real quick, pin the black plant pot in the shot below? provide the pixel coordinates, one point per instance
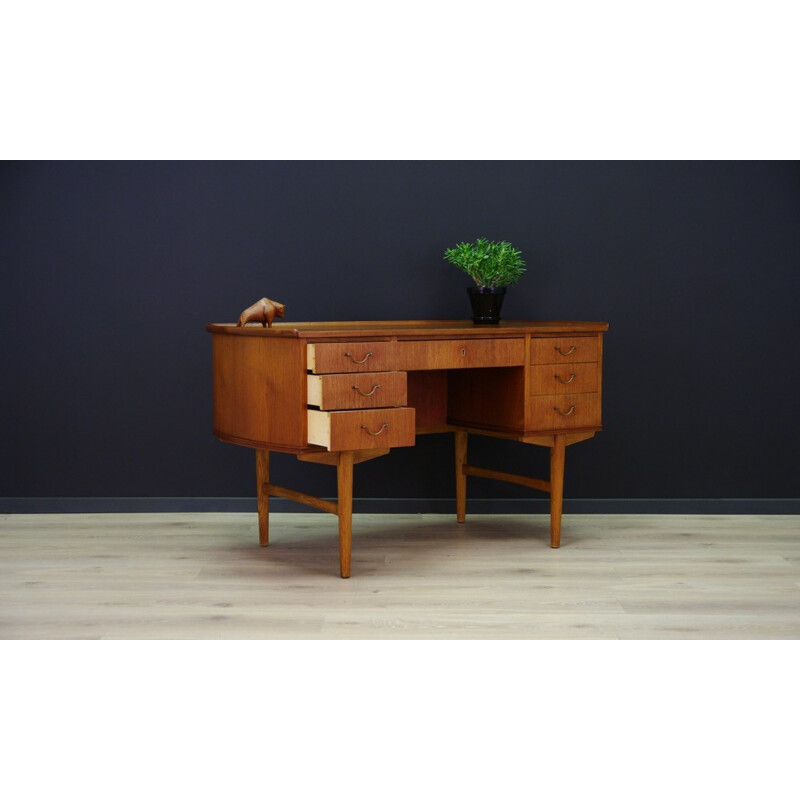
(486, 302)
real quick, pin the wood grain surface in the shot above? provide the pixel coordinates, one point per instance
(460, 353)
(565, 349)
(366, 429)
(202, 576)
(406, 329)
(556, 411)
(564, 379)
(364, 390)
(248, 376)
(366, 356)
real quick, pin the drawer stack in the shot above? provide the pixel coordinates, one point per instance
(356, 397)
(564, 383)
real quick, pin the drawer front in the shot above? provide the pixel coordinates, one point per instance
(550, 412)
(365, 390)
(565, 349)
(351, 356)
(458, 353)
(564, 378)
(361, 430)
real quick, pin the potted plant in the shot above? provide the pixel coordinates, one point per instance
(493, 266)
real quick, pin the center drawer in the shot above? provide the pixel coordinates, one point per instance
(361, 430)
(460, 353)
(362, 390)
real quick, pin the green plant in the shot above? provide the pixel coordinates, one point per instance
(488, 263)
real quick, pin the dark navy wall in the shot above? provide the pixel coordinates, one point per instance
(111, 270)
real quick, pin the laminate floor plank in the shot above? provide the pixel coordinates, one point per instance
(203, 576)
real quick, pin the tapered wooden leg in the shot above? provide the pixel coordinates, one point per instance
(557, 452)
(461, 478)
(344, 479)
(262, 477)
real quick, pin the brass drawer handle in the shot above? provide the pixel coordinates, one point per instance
(564, 413)
(383, 427)
(571, 378)
(370, 393)
(352, 358)
(571, 350)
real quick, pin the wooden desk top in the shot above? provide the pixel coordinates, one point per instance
(406, 329)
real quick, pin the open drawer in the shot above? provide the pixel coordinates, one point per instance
(361, 390)
(367, 429)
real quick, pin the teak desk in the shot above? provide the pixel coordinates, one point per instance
(344, 392)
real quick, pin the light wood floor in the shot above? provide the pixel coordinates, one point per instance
(203, 576)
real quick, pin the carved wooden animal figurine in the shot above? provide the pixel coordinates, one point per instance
(263, 311)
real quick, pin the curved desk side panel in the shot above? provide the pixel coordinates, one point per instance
(260, 391)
